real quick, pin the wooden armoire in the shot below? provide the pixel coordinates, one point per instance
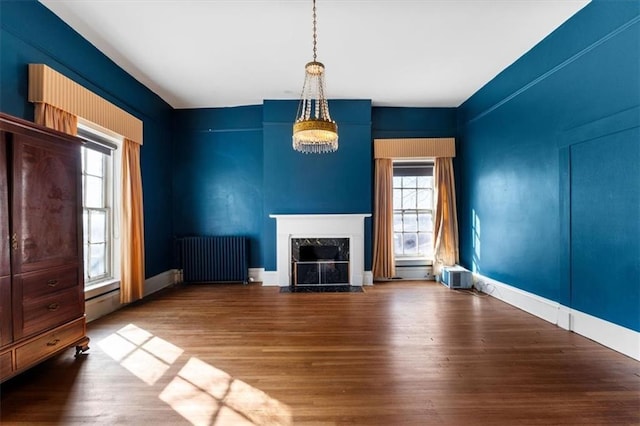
(41, 262)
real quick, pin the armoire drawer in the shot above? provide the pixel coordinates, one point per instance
(42, 283)
(49, 343)
(47, 312)
(6, 364)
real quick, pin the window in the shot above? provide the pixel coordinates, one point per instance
(413, 210)
(100, 178)
(97, 215)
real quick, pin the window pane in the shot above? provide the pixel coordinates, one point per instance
(429, 180)
(425, 244)
(98, 226)
(423, 182)
(94, 163)
(409, 182)
(397, 199)
(397, 244)
(410, 244)
(425, 199)
(97, 261)
(410, 222)
(409, 199)
(93, 192)
(397, 222)
(397, 182)
(425, 222)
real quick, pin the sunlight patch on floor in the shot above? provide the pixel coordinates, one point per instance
(259, 407)
(116, 347)
(200, 392)
(163, 350)
(144, 355)
(145, 366)
(211, 380)
(190, 402)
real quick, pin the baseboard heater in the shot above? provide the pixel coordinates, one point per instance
(206, 259)
(417, 272)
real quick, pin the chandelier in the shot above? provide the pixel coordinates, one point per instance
(314, 132)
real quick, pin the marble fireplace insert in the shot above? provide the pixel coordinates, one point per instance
(319, 261)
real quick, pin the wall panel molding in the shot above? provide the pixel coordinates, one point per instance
(557, 68)
(617, 122)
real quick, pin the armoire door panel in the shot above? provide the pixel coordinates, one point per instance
(46, 220)
(5, 240)
(6, 334)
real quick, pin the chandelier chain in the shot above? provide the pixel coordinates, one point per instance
(315, 35)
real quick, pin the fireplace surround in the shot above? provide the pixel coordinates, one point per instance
(329, 229)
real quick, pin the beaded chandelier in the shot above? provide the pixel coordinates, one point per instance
(314, 132)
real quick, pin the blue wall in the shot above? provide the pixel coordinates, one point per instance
(235, 166)
(217, 174)
(550, 167)
(400, 122)
(30, 33)
(339, 182)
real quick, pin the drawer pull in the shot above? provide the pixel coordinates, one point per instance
(53, 342)
(52, 283)
(53, 307)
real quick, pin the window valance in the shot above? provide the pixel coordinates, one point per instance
(50, 87)
(414, 148)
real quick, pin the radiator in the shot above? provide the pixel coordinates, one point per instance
(214, 259)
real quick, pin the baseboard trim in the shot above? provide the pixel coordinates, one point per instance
(160, 281)
(110, 302)
(529, 302)
(103, 305)
(611, 335)
(367, 278)
(270, 278)
(256, 274)
(606, 333)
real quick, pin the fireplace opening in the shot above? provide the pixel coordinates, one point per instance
(312, 253)
(319, 261)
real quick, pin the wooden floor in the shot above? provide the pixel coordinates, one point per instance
(402, 353)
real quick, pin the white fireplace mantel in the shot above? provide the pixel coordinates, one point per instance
(290, 226)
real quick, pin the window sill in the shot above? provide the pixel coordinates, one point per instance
(100, 288)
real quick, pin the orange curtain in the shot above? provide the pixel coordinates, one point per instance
(383, 258)
(445, 220)
(55, 118)
(132, 252)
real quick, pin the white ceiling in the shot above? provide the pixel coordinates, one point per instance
(215, 53)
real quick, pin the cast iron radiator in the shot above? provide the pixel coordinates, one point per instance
(214, 259)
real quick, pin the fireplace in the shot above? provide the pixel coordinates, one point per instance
(319, 261)
(337, 253)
